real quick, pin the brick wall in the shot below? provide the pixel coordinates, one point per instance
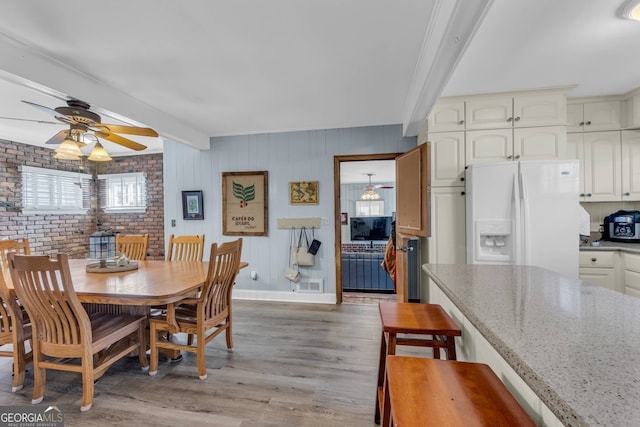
(51, 234)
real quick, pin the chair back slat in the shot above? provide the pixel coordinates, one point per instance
(223, 268)
(19, 246)
(44, 287)
(185, 248)
(134, 246)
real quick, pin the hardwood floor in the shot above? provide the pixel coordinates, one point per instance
(294, 365)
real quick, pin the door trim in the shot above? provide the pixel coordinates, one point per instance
(336, 207)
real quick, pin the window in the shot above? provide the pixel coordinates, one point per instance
(50, 191)
(369, 207)
(126, 192)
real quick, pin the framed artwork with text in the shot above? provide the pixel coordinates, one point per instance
(245, 199)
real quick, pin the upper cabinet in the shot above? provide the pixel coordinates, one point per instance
(412, 183)
(447, 116)
(521, 110)
(594, 116)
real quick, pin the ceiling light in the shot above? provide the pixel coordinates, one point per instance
(631, 10)
(99, 154)
(68, 150)
(369, 192)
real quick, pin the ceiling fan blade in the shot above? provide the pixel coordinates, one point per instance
(58, 137)
(131, 130)
(120, 140)
(382, 186)
(56, 114)
(44, 122)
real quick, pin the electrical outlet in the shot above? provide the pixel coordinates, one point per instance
(325, 221)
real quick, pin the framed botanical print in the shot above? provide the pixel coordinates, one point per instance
(192, 205)
(245, 197)
(303, 193)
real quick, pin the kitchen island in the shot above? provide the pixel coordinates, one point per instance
(569, 351)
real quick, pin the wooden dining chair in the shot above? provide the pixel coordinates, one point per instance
(19, 246)
(63, 328)
(185, 248)
(134, 246)
(204, 317)
(15, 330)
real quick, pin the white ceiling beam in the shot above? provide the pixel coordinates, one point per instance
(26, 65)
(452, 25)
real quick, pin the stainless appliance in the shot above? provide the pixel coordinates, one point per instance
(622, 226)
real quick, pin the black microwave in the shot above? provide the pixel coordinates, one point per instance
(622, 226)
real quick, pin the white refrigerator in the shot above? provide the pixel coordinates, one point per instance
(524, 213)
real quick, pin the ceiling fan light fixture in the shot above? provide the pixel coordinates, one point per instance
(370, 195)
(631, 10)
(68, 150)
(99, 154)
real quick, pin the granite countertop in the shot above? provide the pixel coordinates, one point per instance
(612, 246)
(576, 345)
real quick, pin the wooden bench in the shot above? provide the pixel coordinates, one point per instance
(429, 320)
(427, 392)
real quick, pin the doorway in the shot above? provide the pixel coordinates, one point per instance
(376, 173)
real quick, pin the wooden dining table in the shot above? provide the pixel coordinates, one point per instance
(153, 283)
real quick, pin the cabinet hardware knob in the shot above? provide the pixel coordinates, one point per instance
(462, 178)
(510, 119)
(588, 194)
(509, 157)
(588, 122)
(461, 122)
(627, 194)
(517, 157)
(594, 259)
(581, 194)
(581, 124)
(517, 119)
(462, 193)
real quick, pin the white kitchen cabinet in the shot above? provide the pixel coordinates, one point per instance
(545, 108)
(447, 115)
(594, 116)
(600, 159)
(631, 278)
(447, 241)
(633, 111)
(536, 143)
(448, 161)
(600, 268)
(630, 165)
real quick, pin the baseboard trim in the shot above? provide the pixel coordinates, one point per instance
(251, 294)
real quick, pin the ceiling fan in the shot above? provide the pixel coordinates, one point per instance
(370, 190)
(81, 121)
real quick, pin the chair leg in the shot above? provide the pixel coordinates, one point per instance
(39, 379)
(142, 346)
(87, 382)
(202, 363)
(229, 335)
(153, 356)
(19, 366)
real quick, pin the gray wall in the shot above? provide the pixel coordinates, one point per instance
(290, 156)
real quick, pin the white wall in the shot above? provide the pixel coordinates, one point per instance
(291, 156)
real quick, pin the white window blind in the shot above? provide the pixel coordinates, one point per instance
(369, 207)
(126, 192)
(46, 191)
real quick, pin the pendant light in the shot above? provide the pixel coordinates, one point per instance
(99, 154)
(369, 192)
(68, 150)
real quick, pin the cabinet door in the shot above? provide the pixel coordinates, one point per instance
(446, 116)
(489, 112)
(604, 115)
(412, 182)
(447, 159)
(605, 277)
(540, 109)
(602, 164)
(575, 151)
(482, 146)
(630, 165)
(447, 241)
(540, 143)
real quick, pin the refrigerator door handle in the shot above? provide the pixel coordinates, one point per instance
(526, 223)
(515, 232)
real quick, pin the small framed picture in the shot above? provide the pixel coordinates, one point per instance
(344, 218)
(303, 193)
(192, 205)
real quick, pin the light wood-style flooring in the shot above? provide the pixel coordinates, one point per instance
(294, 365)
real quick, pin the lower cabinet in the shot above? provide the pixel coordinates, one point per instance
(631, 274)
(600, 268)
